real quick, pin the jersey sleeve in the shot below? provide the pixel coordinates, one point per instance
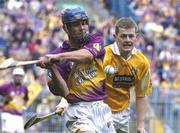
(108, 56)
(95, 46)
(143, 85)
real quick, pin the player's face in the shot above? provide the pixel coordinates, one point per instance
(125, 39)
(18, 79)
(78, 30)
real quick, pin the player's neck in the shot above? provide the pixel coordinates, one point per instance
(125, 54)
(73, 45)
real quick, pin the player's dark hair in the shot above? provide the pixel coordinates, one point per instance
(126, 23)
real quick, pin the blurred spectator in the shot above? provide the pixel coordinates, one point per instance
(109, 39)
(14, 4)
(15, 97)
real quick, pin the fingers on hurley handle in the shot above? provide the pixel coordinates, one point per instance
(59, 111)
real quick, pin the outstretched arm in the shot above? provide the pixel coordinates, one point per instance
(79, 56)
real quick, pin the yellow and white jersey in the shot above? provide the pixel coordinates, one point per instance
(132, 72)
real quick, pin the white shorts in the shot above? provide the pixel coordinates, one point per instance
(121, 120)
(89, 116)
(12, 123)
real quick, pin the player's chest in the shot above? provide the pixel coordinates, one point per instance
(126, 76)
(16, 92)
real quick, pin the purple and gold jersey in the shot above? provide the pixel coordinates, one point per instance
(133, 72)
(85, 81)
(14, 98)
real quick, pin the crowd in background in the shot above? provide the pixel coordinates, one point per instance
(31, 28)
(28, 30)
(159, 30)
(160, 25)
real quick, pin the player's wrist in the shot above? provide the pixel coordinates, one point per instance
(141, 130)
(140, 124)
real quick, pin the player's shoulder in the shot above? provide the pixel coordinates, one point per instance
(108, 47)
(95, 36)
(24, 86)
(141, 55)
(7, 84)
(109, 55)
(61, 48)
(142, 58)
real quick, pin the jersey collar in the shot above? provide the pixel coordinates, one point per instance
(116, 51)
(66, 46)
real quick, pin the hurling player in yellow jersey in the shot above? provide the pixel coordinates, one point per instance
(132, 71)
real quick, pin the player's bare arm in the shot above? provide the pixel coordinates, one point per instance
(79, 56)
(58, 82)
(141, 113)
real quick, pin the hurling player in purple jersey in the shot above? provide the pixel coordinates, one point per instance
(15, 97)
(78, 76)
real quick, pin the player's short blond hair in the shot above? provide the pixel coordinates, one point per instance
(125, 23)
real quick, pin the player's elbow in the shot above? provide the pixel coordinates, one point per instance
(87, 57)
(54, 90)
(57, 91)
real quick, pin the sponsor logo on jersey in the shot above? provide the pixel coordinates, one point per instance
(86, 74)
(124, 81)
(97, 46)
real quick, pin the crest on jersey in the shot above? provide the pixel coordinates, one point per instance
(97, 46)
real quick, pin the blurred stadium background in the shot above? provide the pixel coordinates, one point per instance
(31, 28)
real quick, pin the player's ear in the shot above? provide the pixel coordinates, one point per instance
(65, 28)
(139, 35)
